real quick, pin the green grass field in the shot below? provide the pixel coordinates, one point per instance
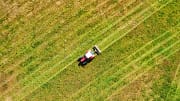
(40, 41)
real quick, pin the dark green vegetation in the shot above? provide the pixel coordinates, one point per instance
(40, 43)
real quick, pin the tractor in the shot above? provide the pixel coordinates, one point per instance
(89, 56)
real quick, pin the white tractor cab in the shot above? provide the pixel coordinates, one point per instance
(89, 56)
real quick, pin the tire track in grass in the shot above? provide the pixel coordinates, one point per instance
(15, 75)
(107, 42)
(70, 63)
(45, 25)
(40, 30)
(107, 10)
(131, 62)
(25, 57)
(132, 55)
(145, 70)
(52, 19)
(119, 38)
(117, 83)
(40, 37)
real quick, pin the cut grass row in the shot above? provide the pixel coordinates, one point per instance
(30, 66)
(75, 75)
(41, 29)
(53, 19)
(144, 70)
(174, 45)
(102, 83)
(142, 49)
(57, 40)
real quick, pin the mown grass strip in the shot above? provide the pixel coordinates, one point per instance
(28, 79)
(39, 35)
(131, 62)
(107, 40)
(115, 85)
(25, 57)
(159, 38)
(65, 23)
(41, 29)
(105, 11)
(108, 90)
(144, 71)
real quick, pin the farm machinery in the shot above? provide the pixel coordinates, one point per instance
(89, 56)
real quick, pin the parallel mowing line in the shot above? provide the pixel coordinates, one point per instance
(64, 11)
(74, 21)
(5, 93)
(115, 85)
(18, 64)
(64, 60)
(73, 61)
(145, 63)
(32, 52)
(173, 81)
(141, 48)
(142, 65)
(28, 57)
(133, 61)
(117, 32)
(61, 62)
(49, 20)
(61, 13)
(146, 70)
